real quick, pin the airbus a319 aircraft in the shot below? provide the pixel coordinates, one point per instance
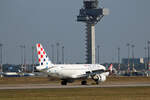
(70, 72)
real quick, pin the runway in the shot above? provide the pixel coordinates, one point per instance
(52, 86)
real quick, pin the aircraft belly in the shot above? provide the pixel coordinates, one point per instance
(60, 74)
(69, 73)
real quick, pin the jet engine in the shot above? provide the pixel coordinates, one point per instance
(99, 77)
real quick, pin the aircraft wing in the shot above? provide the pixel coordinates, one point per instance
(94, 72)
(91, 73)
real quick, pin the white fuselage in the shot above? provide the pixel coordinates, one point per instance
(73, 71)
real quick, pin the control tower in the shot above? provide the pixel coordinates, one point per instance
(91, 14)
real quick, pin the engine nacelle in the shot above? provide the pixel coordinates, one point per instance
(99, 77)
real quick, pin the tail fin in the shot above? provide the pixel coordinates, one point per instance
(110, 67)
(42, 56)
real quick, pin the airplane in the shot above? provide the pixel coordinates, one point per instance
(16, 74)
(68, 73)
(11, 74)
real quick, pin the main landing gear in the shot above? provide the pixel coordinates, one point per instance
(83, 82)
(64, 82)
(97, 82)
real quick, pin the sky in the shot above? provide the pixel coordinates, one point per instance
(27, 22)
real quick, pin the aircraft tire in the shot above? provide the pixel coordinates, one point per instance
(63, 82)
(84, 83)
(97, 82)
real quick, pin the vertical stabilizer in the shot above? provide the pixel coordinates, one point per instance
(42, 57)
(110, 67)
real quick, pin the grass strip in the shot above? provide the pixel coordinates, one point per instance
(128, 93)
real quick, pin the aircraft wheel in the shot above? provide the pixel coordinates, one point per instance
(84, 82)
(63, 82)
(97, 82)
